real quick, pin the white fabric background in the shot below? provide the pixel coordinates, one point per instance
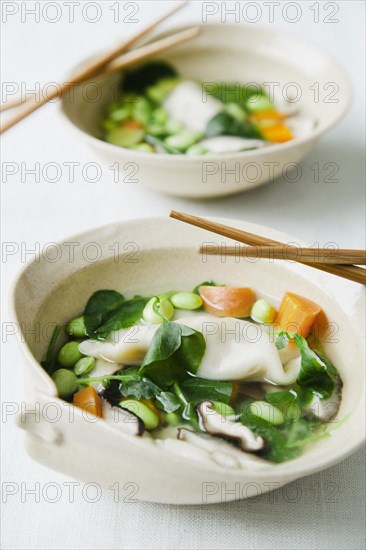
(324, 511)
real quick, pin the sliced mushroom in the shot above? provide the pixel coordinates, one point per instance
(122, 418)
(224, 426)
(221, 452)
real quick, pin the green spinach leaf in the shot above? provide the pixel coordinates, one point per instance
(174, 351)
(98, 307)
(200, 389)
(168, 401)
(137, 80)
(225, 124)
(124, 316)
(314, 373)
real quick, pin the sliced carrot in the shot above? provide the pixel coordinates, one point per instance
(267, 115)
(88, 400)
(227, 301)
(131, 123)
(296, 314)
(277, 133)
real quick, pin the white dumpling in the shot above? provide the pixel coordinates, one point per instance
(126, 346)
(240, 350)
(235, 350)
(187, 105)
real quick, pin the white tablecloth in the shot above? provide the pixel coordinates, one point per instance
(324, 511)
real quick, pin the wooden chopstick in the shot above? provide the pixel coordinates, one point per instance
(97, 66)
(287, 252)
(350, 272)
(158, 46)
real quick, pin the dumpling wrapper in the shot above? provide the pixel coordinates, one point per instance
(185, 104)
(235, 350)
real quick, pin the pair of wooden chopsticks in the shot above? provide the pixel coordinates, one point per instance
(338, 262)
(107, 63)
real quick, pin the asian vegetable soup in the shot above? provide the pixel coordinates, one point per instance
(212, 373)
(159, 111)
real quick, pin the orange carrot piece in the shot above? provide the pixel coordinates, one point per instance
(88, 400)
(297, 314)
(267, 115)
(277, 133)
(227, 301)
(131, 123)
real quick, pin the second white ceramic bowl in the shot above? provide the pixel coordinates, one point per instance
(225, 53)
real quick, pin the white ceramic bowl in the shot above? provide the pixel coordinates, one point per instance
(156, 254)
(227, 53)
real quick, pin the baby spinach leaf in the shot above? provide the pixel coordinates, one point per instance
(174, 351)
(168, 401)
(200, 389)
(133, 385)
(124, 316)
(137, 80)
(98, 307)
(286, 441)
(225, 124)
(281, 397)
(314, 373)
(317, 373)
(232, 92)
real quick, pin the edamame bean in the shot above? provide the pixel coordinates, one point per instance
(263, 312)
(69, 354)
(267, 412)
(66, 382)
(173, 419)
(223, 408)
(84, 365)
(196, 149)
(173, 127)
(184, 139)
(143, 147)
(186, 300)
(123, 113)
(157, 311)
(76, 327)
(148, 416)
(159, 116)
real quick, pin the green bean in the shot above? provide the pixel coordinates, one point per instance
(69, 354)
(186, 300)
(149, 417)
(267, 412)
(263, 312)
(76, 327)
(66, 382)
(84, 366)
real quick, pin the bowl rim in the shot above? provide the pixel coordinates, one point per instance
(292, 469)
(260, 152)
